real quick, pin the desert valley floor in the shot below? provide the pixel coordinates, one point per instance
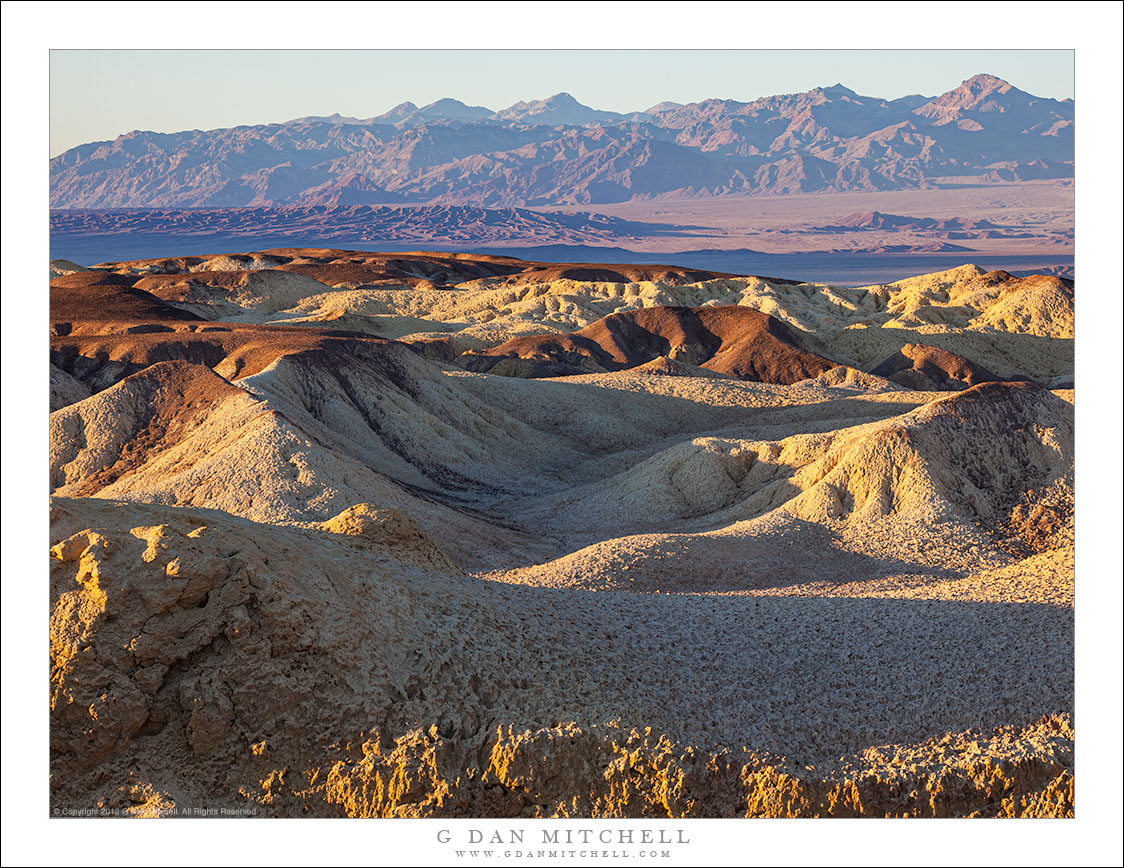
(359, 534)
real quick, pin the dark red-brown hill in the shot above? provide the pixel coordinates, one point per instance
(739, 341)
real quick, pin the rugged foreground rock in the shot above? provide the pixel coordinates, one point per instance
(199, 660)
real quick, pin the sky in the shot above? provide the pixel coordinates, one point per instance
(96, 95)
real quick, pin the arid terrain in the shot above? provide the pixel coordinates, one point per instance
(851, 238)
(338, 533)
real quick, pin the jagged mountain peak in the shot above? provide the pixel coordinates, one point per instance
(985, 82)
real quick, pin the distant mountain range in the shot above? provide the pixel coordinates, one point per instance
(557, 151)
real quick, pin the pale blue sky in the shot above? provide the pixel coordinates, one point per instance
(97, 95)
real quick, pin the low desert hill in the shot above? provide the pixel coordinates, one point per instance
(454, 224)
